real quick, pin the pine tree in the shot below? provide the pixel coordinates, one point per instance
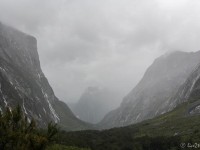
(16, 133)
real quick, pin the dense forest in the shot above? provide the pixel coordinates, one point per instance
(165, 132)
(171, 131)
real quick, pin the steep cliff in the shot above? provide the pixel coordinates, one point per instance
(189, 92)
(23, 82)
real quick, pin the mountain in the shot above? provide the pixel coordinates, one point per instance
(95, 103)
(23, 83)
(153, 94)
(166, 131)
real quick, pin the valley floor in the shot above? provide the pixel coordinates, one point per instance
(172, 131)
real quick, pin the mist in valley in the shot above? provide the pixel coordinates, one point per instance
(107, 44)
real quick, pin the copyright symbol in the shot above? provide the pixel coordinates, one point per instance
(182, 145)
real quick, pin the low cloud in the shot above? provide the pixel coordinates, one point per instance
(105, 43)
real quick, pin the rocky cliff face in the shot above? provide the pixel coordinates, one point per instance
(23, 82)
(152, 96)
(189, 91)
(95, 103)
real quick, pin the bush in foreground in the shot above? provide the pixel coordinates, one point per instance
(17, 133)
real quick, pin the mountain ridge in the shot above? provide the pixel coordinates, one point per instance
(150, 96)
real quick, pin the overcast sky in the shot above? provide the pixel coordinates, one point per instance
(107, 43)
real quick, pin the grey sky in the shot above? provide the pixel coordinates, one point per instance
(105, 43)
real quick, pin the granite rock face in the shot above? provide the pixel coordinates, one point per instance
(189, 92)
(23, 82)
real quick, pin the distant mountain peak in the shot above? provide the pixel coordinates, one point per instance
(94, 103)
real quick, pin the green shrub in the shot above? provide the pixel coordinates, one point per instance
(62, 147)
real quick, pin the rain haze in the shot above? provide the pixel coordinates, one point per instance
(105, 43)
